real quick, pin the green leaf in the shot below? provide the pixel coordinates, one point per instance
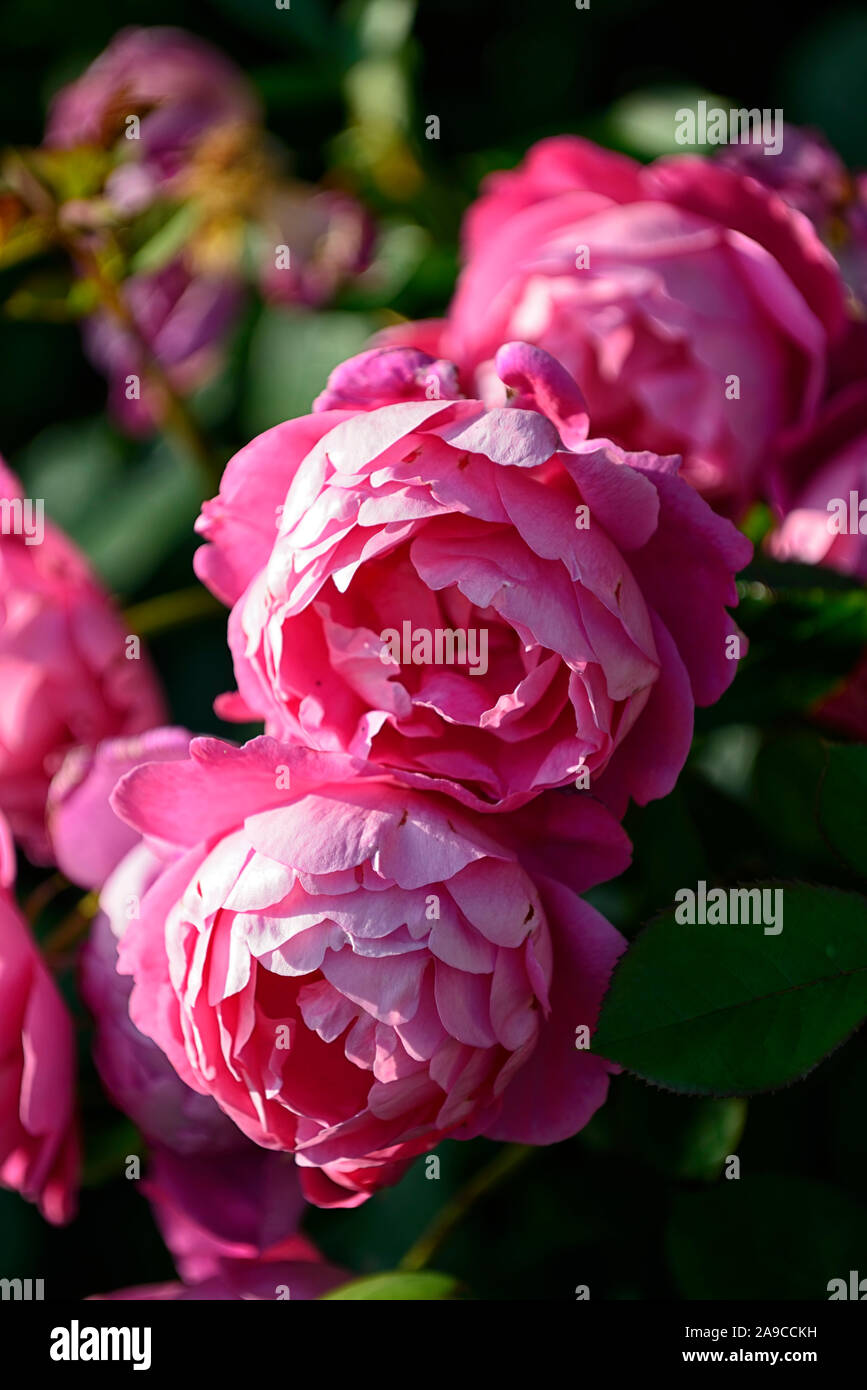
(397, 1286)
(140, 525)
(644, 121)
(21, 235)
(79, 172)
(52, 297)
(127, 516)
(291, 355)
(713, 1133)
(764, 1236)
(729, 1010)
(785, 794)
(842, 798)
(682, 1136)
(73, 467)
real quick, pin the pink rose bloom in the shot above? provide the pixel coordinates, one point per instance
(653, 285)
(816, 473)
(96, 849)
(236, 1201)
(64, 675)
(135, 1072)
(589, 585)
(225, 1208)
(355, 970)
(222, 1203)
(179, 87)
(39, 1152)
(88, 840)
(230, 1222)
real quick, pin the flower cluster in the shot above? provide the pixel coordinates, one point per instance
(476, 596)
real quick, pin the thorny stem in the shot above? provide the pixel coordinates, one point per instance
(156, 615)
(177, 420)
(511, 1157)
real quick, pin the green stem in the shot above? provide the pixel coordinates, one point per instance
(73, 927)
(160, 614)
(44, 893)
(176, 419)
(510, 1158)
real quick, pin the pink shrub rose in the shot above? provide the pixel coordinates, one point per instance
(64, 675)
(654, 286)
(88, 840)
(98, 850)
(596, 582)
(215, 1210)
(230, 1222)
(217, 1198)
(39, 1152)
(355, 970)
(135, 1072)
